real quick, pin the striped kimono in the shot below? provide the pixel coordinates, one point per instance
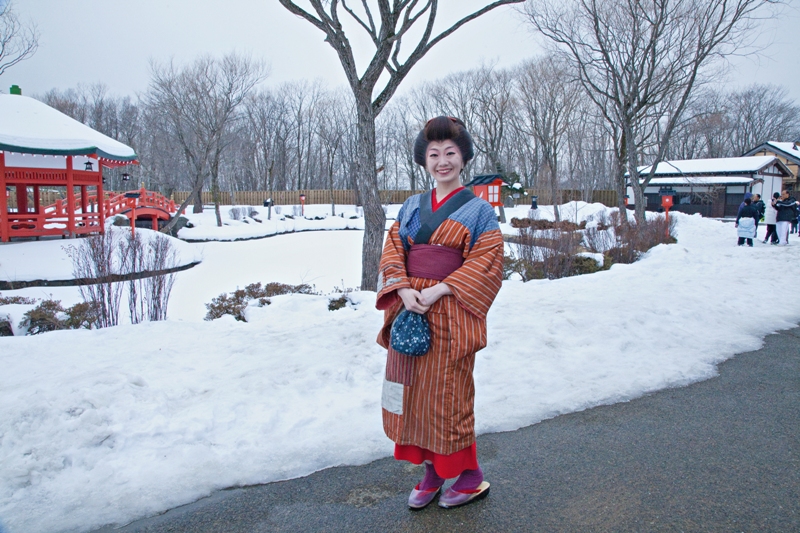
(428, 401)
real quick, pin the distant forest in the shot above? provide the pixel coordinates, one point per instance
(219, 116)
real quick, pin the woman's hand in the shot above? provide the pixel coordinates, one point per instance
(412, 300)
(432, 294)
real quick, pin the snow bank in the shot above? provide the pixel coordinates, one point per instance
(103, 427)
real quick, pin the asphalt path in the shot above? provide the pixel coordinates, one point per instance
(718, 455)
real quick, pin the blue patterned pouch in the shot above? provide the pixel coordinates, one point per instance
(411, 334)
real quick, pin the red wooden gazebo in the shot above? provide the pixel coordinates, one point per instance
(42, 153)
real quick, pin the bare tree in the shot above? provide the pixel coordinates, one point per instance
(386, 24)
(761, 113)
(332, 127)
(548, 97)
(200, 103)
(639, 61)
(18, 41)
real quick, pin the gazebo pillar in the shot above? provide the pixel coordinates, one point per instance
(70, 198)
(101, 204)
(4, 225)
(22, 199)
(85, 206)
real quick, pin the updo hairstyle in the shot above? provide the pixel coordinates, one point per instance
(443, 129)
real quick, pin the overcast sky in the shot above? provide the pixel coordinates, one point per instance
(112, 41)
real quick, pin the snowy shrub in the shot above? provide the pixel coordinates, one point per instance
(277, 209)
(110, 261)
(98, 258)
(239, 213)
(551, 250)
(5, 326)
(11, 300)
(340, 301)
(148, 296)
(297, 210)
(223, 304)
(49, 315)
(549, 254)
(83, 315)
(236, 303)
(634, 239)
(540, 224)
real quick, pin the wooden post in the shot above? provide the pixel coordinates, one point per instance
(70, 199)
(5, 228)
(22, 199)
(101, 203)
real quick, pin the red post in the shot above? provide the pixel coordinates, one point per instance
(101, 203)
(70, 199)
(5, 228)
(666, 203)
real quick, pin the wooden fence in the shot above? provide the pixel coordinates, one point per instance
(348, 197)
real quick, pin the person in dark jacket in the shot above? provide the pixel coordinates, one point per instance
(787, 211)
(747, 196)
(746, 223)
(758, 203)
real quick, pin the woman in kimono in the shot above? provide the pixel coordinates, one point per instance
(443, 257)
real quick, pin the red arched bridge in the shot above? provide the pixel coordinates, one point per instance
(86, 215)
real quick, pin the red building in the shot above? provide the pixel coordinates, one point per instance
(42, 153)
(488, 187)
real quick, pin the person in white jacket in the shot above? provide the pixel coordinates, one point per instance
(771, 220)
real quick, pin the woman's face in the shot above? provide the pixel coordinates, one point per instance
(443, 161)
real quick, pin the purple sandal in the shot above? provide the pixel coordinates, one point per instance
(419, 499)
(453, 498)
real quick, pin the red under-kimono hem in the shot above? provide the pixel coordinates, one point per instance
(447, 466)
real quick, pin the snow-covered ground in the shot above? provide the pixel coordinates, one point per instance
(103, 427)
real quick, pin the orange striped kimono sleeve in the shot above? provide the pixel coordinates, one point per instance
(392, 269)
(476, 283)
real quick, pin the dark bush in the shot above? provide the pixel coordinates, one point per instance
(10, 300)
(5, 326)
(237, 302)
(335, 304)
(552, 252)
(82, 315)
(223, 304)
(44, 317)
(563, 225)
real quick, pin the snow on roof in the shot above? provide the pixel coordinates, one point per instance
(711, 166)
(788, 148)
(702, 180)
(29, 126)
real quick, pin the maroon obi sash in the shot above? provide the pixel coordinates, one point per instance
(433, 262)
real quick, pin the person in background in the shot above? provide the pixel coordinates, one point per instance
(758, 203)
(746, 223)
(770, 218)
(787, 211)
(747, 196)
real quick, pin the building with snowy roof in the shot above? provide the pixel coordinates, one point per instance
(44, 150)
(787, 152)
(713, 187)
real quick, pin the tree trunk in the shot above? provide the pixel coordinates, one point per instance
(198, 200)
(367, 182)
(215, 191)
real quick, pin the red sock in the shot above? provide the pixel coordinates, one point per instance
(468, 480)
(431, 479)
